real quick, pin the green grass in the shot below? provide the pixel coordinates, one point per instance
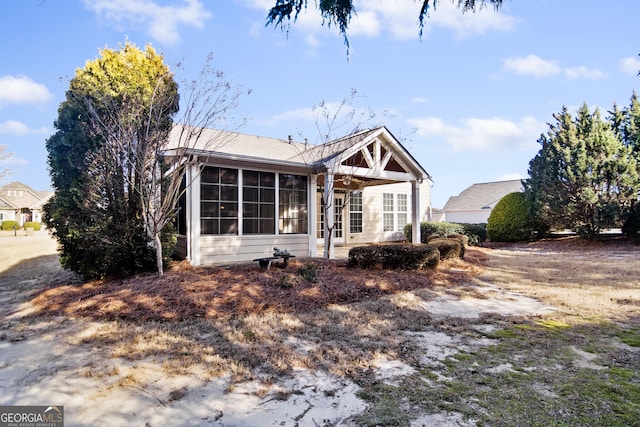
(531, 376)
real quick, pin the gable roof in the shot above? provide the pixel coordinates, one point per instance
(258, 149)
(17, 195)
(482, 196)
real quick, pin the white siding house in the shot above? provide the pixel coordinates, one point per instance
(245, 194)
(474, 204)
(21, 203)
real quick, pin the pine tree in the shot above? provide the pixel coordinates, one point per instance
(583, 177)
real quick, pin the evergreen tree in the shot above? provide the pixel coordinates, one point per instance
(97, 160)
(626, 123)
(583, 177)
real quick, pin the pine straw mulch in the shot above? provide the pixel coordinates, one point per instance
(221, 292)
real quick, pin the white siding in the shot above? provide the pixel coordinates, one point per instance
(225, 249)
(373, 213)
(469, 217)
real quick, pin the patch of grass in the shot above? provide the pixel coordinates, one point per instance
(630, 337)
(553, 324)
(385, 406)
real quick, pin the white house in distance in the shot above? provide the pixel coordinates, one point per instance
(19, 202)
(474, 205)
(247, 194)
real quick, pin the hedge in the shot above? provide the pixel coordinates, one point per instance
(476, 232)
(448, 248)
(32, 224)
(400, 257)
(9, 224)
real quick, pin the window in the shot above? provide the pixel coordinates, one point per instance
(355, 212)
(403, 211)
(293, 214)
(387, 212)
(219, 201)
(181, 222)
(258, 202)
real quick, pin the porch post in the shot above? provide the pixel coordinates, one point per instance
(193, 214)
(313, 215)
(415, 212)
(329, 216)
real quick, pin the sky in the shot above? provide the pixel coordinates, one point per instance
(469, 99)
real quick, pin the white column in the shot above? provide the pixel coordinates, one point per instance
(194, 214)
(329, 219)
(415, 212)
(312, 214)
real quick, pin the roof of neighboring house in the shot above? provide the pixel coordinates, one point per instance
(482, 196)
(17, 195)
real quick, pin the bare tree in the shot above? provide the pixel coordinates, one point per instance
(5, 157)
(139, 152)
(332, 121)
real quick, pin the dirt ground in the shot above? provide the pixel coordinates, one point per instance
(284, 367)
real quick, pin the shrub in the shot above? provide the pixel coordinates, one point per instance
(402, 257)
(510, 219)
(309, 272)
(477, 233)
(32, 224)
(463, 238)
(9, 224)
(631, 226)
(428, 229)
(288, 281)
(448, 248)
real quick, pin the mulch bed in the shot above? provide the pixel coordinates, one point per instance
(186, 292)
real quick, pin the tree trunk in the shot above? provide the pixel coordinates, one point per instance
(158, 245)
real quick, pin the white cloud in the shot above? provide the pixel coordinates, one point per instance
(584, 73)
(12, 160)
(162, 21)
(22, 90)
(17, 128)
(475, 134)
(399, 19)
(486, 19)
(630, 65)
(533, 65)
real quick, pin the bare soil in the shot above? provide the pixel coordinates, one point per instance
(547, 323)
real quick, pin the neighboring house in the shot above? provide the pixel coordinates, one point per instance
(474, 205)
(21, 203)
(247, 194)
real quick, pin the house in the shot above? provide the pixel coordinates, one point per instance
(245, 194)
(21, 203)
(474, 205)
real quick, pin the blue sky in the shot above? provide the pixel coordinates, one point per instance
(469, 100)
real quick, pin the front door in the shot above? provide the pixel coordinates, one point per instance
(338, 224)
(338, 209)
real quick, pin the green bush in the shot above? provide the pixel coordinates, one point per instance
(309, 272)
(428, 229)
(32, 224)
(463, 238)
(401, 257)
(510, 219)
(631, 226)
(9, 224)
(448, 248)
(477, 233)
